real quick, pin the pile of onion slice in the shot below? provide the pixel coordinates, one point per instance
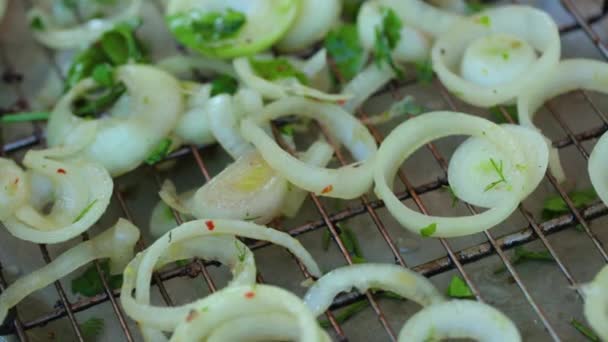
(596, 303)
(115, 243)
(186, 241)
(78, 190)
(568, 75)
(491, 58)
(516, 155)
(346, 182)
(57, 37)
(122, 142)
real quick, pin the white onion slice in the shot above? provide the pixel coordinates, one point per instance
(57, 37)
(122, 143)
(346, 182)
(365, 84)
(422, 16)
(115, 243)
(567, 76)
(496, 50)
(235, 303)
(415, 133)
(394, 278)
(596, 303)
(598, 163)
(414, 45)
(193, 125)
(224, 118)
(455, 6)
(470, 169)
(314, 19)
(459, 319)
(280, 88)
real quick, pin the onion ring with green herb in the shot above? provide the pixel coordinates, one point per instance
(402, 281)
(349, 181)
(314, 19)
(122, 142)
(52, 34)
(116, 243)
(415, 133)
(227, 29)
(596, 303)
(459, 319)
(491, 58)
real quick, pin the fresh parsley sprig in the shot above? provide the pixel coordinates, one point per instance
(387, 35)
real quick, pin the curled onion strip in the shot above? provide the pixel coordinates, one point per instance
(365, 84)
(491, 58)
(280, 88)
(140, 270)
(82, 192)
(122, 143)
(459, 319)
(61, 38)
(346, 182)
(598, 161)
(224, 117)
(413, 134)
(235, 303)
(193, 125)
(567, 76)
(115, 243)
(397, 279)
(314, 19)
(180, 65)
(422, 16)
(596, 303)
(13, 189)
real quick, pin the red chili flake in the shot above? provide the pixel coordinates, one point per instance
(61, 171)
(327, 189)
(210, 225)
(191, 315)
(341, 102)
(249, 294)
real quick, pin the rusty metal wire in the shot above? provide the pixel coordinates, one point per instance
(453, 260)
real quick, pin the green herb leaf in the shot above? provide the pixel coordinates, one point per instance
(224, 84)
(24, 117)
(523, 255)
(350, 9)
(347, 313)
(585, 331)
(556, 206)
(458, 288)
(183, 262)
(499, 118)
(121, 46)
(484, 20)
(103, 74)
(275, 69)
(91, 105)
(424, 71)
(196, 27)
(475, 6)
(37, 24)
(287, 129)
(84, 211)
(343, 47)
(387, 36)
(92, 328)
(241, 250)
(160, 151)
(498, 168)
(429, 230)
(89, 283)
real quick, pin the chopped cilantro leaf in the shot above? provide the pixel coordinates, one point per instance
(484, 20)
(555, 206)
(458, 288)
(343, 47)
(24, 117)
(522, 255)
(89, 283)
(84, 211)
(424, 71)
(429, 230)
(224, 84)
(275, 69)
(197, 27)
(160, 151)
(37, 24)
(92, 328)
(585, 331)
(387, 36)
(103, 74)
(241, 250)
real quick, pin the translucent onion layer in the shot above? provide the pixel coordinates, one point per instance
(596, 303)
(314, 19)
(598, 163)
(346, 182)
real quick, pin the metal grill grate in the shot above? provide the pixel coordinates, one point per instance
(455, 259)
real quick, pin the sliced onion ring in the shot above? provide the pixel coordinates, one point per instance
(346, 182)
(598, 163)
(422, 16)
(459, 319)
(365, 84)
(404, 282)
(567, 76)
(415, 133)
(596, 303)
(484, 46)
(237, 302)
(115, 243)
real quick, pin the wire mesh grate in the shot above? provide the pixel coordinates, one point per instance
(454, 258)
